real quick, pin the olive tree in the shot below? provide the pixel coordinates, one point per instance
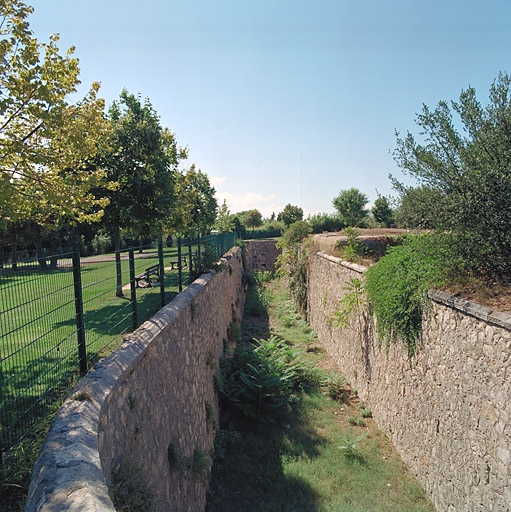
(470, 167)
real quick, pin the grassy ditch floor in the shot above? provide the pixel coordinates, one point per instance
(316, 450)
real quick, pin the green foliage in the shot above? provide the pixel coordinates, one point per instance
(205, 262)
(356, 422)
(258, 381)
(263, 276)
(195, 208)
(200, 462)
(295, 233)
(471, 169)
(419, 207)
(397, 285)
(351, 303)
(223, 439)
(224, 220)
(351, 204)
(290, 214)
(351, 450)
(251, 218)
(364, 411)
(256, 300)
(129, 490)
(382, 212)
(142, 158)
(45, 139)
(324, 222)
(292, 265)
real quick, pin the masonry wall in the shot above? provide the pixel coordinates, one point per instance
(149, 406)
(447, 410)
(261, 255)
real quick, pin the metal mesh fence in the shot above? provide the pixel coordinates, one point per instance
(57, 320)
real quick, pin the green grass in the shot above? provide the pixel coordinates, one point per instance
(317, 458)
(38, 337)
(39, 347)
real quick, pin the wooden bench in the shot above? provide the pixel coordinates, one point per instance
(145, 280)
(175, 264)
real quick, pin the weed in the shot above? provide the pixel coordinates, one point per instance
(210, 359)
(234, 331)
(263, 276)
(82, 396)
(351, 450)
(366, 413)
(200, 462)
(336, 386)
(351, 304)
(210, 413)
(129, 489)
(358, 422)
(256, 301)
(258, 381)
(132, 400)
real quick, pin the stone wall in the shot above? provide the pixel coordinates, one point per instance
(151, 406)
(447, 410)
(261, 255)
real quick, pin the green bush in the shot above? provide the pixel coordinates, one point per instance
(258, 382)
(398, 284)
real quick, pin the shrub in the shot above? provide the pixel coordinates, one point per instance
(258, 382)
(397, 285)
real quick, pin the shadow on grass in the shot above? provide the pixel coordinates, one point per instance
(249, 476)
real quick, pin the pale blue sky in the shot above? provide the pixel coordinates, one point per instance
(286, 101)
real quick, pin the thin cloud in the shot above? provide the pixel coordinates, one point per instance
(216, 181)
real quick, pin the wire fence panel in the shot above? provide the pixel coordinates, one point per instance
(37, 341)
(58, 319)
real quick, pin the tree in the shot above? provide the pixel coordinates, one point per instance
(196, 205)
(382, 212)
(224, 220)
(471, 169)
(290, 214)
(350, 204)
(251, 218)
(45, 139)
(295, 233)
(143, 160)
(419, 207)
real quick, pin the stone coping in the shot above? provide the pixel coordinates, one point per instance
(68, 474)
(495, 317)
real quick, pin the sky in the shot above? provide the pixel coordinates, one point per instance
(286, 101)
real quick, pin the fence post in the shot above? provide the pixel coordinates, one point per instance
(179, 266)
(162, 272)
(134, 312)
(190, 262)
(80, 327)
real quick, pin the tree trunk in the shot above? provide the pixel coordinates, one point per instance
(140, 244)
(14, 253)
(39, 248)
(54, 250)
(118, 268)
